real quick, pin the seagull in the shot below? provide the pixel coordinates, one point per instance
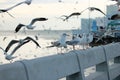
(79, 13)
(28, 2)
(115, 17)
(29, 26)
(75, 41)
(20, 43)
(9, 56)
(60, 43)
(83, 39)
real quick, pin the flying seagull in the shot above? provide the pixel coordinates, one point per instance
(72, 14)
(28, 2)
(79, 13)
(20, 43)
(9, 56)
(29, 26)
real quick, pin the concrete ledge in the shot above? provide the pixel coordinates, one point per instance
(14, 71)
(114, 71)
(97, 76)
(91, 57)
(112, 50)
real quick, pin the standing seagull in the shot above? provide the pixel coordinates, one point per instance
(28, 2)
(29, 26)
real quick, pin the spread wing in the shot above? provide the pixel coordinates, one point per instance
(38, 19)
(28, 2)
(54, 44)
(29, 38)
(73, 14)
(94, 8)
(10, 44)
(19, 26)
(17, 47)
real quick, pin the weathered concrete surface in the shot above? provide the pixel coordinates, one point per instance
(13, 71)
(52, 67)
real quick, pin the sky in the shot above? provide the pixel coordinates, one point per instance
(51, 9)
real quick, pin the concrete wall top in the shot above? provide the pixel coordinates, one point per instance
(54, 67)
(91, 57)
(112, 50)
(14, 71)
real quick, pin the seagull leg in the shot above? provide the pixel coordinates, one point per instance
(61, 50)
(73, 47)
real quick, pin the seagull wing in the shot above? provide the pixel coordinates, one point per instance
(54, 44)
(29, 38)
(38, 19)
(94, 8)
(73, 14)
(15, 5)
(10, 44)
(19, 26)
(17, 47)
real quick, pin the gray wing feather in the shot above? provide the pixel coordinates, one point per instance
(15, 5)
(94, 8)
(10, 44)
(19, 26)
(38, 19)
(17, 47)
(29, 38)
